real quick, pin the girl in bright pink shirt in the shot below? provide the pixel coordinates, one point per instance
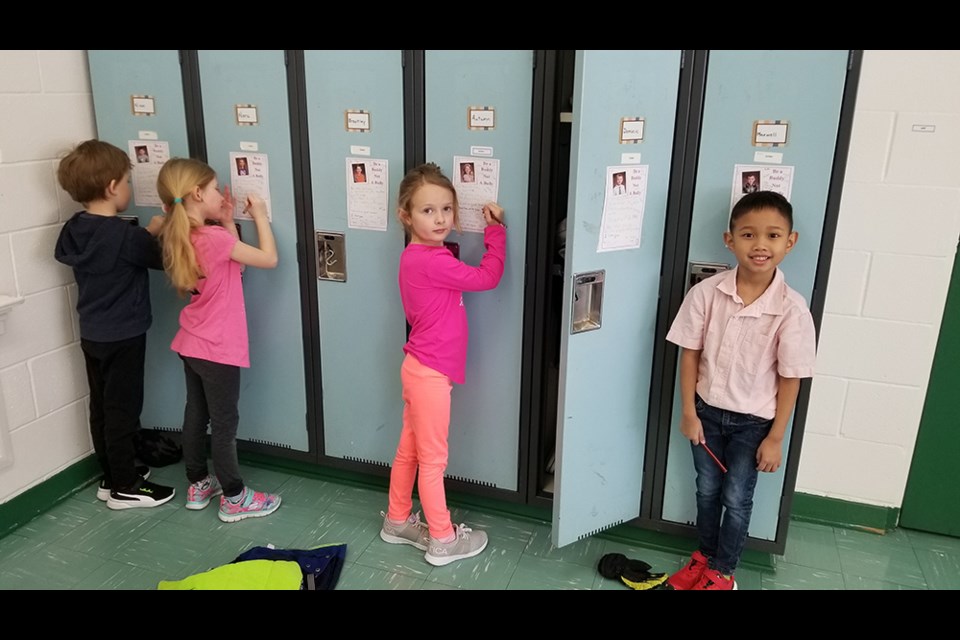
(431, 284)
(204, 257)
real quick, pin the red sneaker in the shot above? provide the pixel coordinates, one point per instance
(713, 580)
(689, 576)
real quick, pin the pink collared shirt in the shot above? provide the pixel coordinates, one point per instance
(745, 350)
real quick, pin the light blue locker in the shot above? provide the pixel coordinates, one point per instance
(272, 396)
(485, 416)
(806, 89)
(605, 373)
(116, 76)
(361, 323)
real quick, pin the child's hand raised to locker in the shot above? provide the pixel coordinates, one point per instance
(226, 207)
(493, 214)
(156, 224)
(255, 206)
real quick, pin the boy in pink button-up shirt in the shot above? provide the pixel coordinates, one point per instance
(747, 340)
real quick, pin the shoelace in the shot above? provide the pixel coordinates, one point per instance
(463, 529)
(417, 522)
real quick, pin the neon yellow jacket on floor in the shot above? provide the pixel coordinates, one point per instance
(273, 575)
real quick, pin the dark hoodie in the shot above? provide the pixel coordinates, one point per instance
(110, 258)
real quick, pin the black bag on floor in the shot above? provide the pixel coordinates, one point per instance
(156, 449)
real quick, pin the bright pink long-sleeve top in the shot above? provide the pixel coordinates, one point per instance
(432, 283)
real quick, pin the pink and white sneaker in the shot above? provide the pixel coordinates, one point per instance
(254, 504)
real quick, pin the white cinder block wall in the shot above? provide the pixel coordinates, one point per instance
(896, 242)
(898, 230)
(45, 107)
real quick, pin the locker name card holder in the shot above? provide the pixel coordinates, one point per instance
(356, 120)
(331, 256)
(481, 118)
(587, 301)
(770, 133)
(631, 130)
(143, 105)
(247, 115)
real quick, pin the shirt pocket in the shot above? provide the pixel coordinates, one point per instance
(756, 352)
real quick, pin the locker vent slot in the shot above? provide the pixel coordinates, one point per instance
(365, 461)
(269, 443)
(167, 429)
(478, 483)
(601, 529)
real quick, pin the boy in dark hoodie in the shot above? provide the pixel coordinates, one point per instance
(110, 258)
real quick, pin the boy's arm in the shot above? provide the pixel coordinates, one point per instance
(690, 425)
(770, 451)
(144, 248)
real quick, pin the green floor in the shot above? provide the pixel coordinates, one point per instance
(80, 544)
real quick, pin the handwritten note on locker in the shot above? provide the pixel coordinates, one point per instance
(147, 157)
(625, 197)
(367, 183)
(477, 181)
(249, 173)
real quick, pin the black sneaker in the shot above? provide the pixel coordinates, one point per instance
(103, 491)
(143, 494)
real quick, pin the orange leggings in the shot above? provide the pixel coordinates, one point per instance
(423, 444)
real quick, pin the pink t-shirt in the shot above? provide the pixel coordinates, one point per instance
(745, 349)
(213, 326)
(431, 286)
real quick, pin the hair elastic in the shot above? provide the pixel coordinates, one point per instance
(177, 200)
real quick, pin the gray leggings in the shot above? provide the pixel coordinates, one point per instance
(213, 391)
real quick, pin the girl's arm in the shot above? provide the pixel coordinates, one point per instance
(453, 274)
(450, 273)
(264, 256)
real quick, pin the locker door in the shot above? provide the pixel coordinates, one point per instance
(605, 373)
(805, 89)
(115, 77)
(272, 397)
(361, 322)
(484, 427)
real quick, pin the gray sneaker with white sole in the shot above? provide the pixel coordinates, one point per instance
(413, 532)
(466, 544)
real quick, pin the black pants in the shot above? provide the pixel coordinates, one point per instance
(115, 376)
(213, 391)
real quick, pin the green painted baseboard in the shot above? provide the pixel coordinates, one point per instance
(25, 507)
(840, 513)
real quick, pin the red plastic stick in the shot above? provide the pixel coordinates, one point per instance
(715, 458)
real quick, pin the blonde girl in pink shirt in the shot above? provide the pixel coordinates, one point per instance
(747, 340)
(431, 283)
(204, 257)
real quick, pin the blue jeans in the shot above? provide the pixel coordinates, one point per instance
(725, 500)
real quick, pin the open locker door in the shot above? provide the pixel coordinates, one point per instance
(624, 113)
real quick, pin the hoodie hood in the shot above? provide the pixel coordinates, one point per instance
(90, 243)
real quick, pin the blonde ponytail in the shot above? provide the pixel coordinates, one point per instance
(178, 177)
